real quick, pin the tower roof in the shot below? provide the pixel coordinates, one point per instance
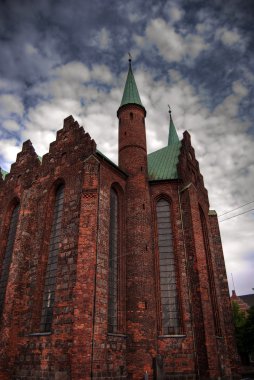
(172, 136)
(162, 164)
(130, 94)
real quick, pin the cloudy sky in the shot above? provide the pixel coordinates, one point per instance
(70, 57)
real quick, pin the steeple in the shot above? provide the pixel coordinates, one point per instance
(132, 133)
(172, 136)
(130, 94)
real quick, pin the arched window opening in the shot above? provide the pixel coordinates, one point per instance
(168, 279)
(131, 115)
(51, 270)
(210, 274)
(8, 255)
(113, 263)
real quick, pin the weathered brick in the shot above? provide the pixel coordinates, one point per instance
(79, 345)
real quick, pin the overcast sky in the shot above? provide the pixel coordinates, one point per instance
(70, 57)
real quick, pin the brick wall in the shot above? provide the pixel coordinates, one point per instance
(80, 345)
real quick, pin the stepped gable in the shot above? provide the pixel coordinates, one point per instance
(23, 172)
(188, 166)
(72, 144)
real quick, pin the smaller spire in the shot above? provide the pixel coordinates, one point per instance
(172, 136)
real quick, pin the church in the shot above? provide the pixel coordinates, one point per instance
(112, 271)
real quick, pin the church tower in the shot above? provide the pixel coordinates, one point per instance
(140, 307)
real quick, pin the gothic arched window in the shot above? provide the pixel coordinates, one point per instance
(168, 279)
(8, 255)
(210, 274)
(51, 270)
(113, 263)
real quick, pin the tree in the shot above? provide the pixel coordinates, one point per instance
(239, 320)
(249, 332)
(244, 330)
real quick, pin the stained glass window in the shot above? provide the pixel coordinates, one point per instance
(168, 281)
(113, 263)
(51, 270)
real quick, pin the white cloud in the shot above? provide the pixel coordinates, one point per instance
(172, 45)
(228, 37)
(9, 150)
(11, 125)
(102, 39)
(230, 105)
(30, 49)
(101, 73)
(239, 89)
(10, 104)
(173, 12)
(73, 71)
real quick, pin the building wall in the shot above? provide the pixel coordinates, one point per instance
(80, 346)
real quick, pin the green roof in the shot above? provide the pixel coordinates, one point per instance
(172, 136)
(162, 164)
(4, 173)
(130, 94)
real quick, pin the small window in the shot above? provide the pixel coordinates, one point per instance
(131, 115)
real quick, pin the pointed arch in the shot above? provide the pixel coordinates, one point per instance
(169, 298)
(51, 269)
(11, 235)
(113, 262)
(116, 276)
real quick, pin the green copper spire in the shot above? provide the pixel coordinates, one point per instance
(172, 136)
(130, 94)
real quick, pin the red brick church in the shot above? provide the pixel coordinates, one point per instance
(112, 271)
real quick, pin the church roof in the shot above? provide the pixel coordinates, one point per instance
(130, 94)
(248, 298)
(162, 164)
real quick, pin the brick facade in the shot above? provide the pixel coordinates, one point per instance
(79, 345)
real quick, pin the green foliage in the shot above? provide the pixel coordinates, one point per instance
(244, 330)
(249, 331)
(239, 317)
(239, 320)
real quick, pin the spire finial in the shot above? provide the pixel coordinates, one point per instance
(130, 58)
(172, 136)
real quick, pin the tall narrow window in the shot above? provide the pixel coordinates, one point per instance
(113, 261)
(168, 282)
(8, 256)
(51, 271)
(210, 274)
